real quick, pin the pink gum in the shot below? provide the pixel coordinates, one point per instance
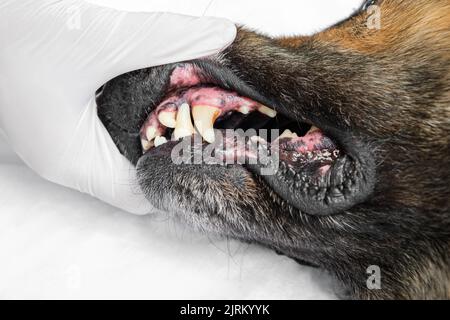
(185, 76)
(224, 100)
(310, 141)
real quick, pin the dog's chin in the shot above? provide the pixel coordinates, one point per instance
(319, 170)
(213, 198)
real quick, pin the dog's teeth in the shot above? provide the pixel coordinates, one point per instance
(312, 129)
(184, 126)
(267, 111)
(146, 145)
(167, 118)
(287, 134)
(204, 118)
(159, 140)
(244, 109)
(150, 133)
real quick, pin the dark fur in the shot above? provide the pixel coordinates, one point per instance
(390, 88)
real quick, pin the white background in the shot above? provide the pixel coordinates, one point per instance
(58, 243)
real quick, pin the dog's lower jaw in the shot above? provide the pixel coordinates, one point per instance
(352, 259)
(347, 245)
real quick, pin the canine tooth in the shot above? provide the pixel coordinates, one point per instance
(159, 140)
(312, 129)
(286, 134)
(267, 111)
(244, 109)
(204, 118)
(150, 133)
(184, 125)
(167, 118)
(146, 145)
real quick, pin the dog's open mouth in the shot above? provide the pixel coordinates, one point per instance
(306, 167)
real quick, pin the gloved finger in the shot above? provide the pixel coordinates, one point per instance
(90, 162)
(80, 46)
(141, 40)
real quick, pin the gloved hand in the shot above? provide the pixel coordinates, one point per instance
(54, 55)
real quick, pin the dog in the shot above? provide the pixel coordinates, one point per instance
(375, 213)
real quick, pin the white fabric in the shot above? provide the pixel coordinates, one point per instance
(58, 243)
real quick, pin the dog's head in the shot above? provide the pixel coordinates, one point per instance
(361, 176)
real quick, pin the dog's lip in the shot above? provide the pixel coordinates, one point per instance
(279, 182)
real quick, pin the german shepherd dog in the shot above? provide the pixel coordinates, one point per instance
(362, 186)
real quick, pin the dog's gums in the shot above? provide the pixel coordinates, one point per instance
(310, 171)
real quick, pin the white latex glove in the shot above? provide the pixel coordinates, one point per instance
(54, 55)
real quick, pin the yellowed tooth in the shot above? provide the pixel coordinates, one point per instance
(286, 134)
(150, 133)
(184, 125)
(244, 109)
(167, 118)
(159, 140)
(204, 118)
(267, 111)
(312, 129)
(146, 145)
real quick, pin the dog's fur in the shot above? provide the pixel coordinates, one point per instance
(391, 88)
